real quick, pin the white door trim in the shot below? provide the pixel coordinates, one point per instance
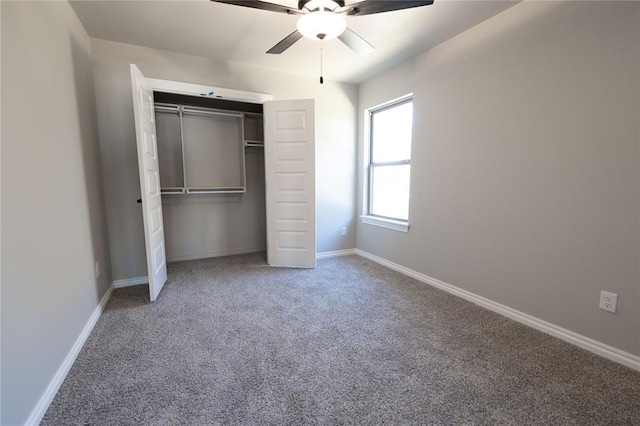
(181, 88)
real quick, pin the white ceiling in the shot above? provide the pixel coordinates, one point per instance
(242, 35)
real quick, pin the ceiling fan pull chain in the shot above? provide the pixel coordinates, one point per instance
(321, 79)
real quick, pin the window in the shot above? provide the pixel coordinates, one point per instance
(389, 164)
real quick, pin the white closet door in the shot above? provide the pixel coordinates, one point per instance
(289, 154)
(149, 169)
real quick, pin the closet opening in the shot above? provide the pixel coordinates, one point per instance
(204, 167)
(212, 175)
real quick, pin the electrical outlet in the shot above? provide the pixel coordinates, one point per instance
(97, 269)
(343, 231)
(608, 301)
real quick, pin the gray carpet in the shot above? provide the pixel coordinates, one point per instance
(233, 341)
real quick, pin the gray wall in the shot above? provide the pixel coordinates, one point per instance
(335, 144)
(53, 230)
(525, 168)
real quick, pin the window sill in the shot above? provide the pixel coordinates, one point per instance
(396, 225)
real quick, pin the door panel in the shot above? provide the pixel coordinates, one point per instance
(148, 166)
(290, 182)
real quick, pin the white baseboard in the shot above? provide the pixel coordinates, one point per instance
(335, 253)
(594, 346)
(130, 282)
(45, 400)
(215, 254)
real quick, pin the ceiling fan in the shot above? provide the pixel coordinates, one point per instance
(324, 19)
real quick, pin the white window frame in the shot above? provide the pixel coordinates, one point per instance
(369, 218)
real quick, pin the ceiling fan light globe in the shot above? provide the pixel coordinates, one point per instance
(314, 24)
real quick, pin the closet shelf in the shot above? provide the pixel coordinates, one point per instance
(187, 191)
(249, 143)
(236, 190)
(172, 191)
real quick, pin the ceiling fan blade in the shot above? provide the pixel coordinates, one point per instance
(263, 5)
(285, 43)
(355, 42)
(369, 7)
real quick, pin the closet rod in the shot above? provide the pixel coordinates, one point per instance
(203, 112)
(237, 190)
(166, 109)
(171, 191)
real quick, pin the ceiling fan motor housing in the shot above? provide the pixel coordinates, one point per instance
(302, 3)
